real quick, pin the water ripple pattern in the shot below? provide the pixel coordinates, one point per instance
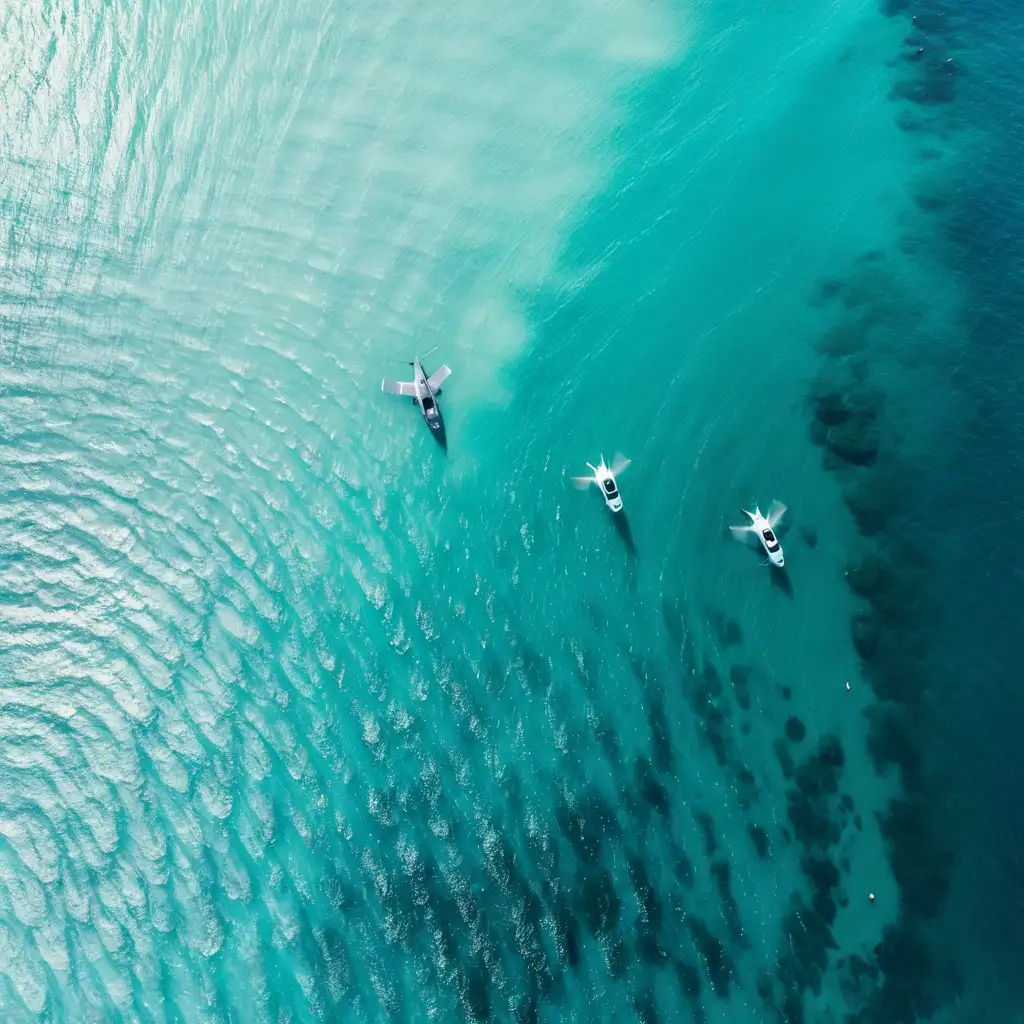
(219, 220)
(306, 720)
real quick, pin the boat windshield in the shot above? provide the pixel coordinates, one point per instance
(768, 536)
(428, 403)
(609, 486)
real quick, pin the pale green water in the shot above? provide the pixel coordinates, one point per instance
(298, 711)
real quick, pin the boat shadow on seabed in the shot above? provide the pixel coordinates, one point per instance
(781, 580)
(622, 528)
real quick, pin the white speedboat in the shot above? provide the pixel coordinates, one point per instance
(604, 477)
(763, 529)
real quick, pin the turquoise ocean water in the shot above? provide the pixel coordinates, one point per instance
(306, 719)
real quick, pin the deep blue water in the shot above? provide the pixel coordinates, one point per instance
(978, 502)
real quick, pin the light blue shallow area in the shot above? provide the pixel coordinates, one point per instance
(306, 719)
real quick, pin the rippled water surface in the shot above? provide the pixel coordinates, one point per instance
(304, 718)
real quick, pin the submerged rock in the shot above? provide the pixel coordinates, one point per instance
(739, 675)
(729, 630)
(682, 866)
(830, 752)
(867, 575)
(827, 289)
(855, 442)
(707, 828)
(821, 873)
(644, 1007)
(872, 502)
(932, 197)
(933, 85)
(812, 824)
(817, 432)
(866, 632)
(650, 790)
(785, 758)
(718, 964)
(840, 395)
(921, 863)
(817, 778)
(842, 340)
(795, 729)
(891, 741)
(746, 787)
(588, 826)
(824, 906)
(599, 902)
(475, 994)
(762, 844)
(689, 979)
(711, 684)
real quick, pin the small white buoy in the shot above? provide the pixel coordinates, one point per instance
(847, 684)
(871, 896)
